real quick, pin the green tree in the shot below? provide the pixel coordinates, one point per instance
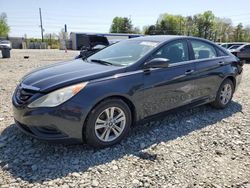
(4, 28)
(208, 23)
(189, 26)
(149, 30)
(224, 29)
(238, 33)
(247, 33)
(169, 24)
(204, 24)
(121, 25)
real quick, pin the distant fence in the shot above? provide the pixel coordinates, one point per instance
(37, 45)
(20, 43)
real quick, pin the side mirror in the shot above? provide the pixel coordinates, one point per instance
(157, 63)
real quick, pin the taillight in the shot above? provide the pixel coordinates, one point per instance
(239, 65)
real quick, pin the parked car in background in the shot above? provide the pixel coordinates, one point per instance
(234, 47)
(87, 40)
(228, 45)
(5, 44)
(91, 44)
(88, 51)
(99, 98)
(242, 52)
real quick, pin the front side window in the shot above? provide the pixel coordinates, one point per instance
(124, 53)
(175, 51)
(203, 50)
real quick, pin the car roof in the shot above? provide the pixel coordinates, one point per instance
(157, 38)
(234, 43)
(165, 38)
(242, 46)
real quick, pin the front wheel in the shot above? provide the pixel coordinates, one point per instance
(224, 94)
(108, 123)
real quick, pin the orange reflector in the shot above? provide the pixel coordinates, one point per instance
(78, 88)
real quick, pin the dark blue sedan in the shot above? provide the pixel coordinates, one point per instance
(97, 99)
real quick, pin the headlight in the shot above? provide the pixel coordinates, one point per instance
(57, 97)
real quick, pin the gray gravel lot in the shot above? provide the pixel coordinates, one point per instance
(201, 147)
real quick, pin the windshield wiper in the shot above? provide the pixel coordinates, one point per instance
(101, 62)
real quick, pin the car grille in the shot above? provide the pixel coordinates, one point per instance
(23, 94)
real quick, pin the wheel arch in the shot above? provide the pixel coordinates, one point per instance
(121, 97)
(232, 78)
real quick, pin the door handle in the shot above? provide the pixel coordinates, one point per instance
(221, 63)
(189, 72)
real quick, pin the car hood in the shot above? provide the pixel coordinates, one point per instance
(64, 74)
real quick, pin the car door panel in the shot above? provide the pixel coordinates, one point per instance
(208, 69)
(209, 75)
(165, 89)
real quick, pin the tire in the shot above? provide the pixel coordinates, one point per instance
(220, 102)
(117, 127)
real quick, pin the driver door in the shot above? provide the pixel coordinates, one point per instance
(171, 87)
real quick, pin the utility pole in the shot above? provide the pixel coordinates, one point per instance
(65, 37)
(180, 27)
(65, 28)
(41, 23)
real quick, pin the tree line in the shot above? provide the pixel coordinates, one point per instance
(205, 25)
(4, 27)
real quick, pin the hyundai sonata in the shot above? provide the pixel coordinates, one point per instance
(97, 99)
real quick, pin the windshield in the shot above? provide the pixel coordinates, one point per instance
(124, 53)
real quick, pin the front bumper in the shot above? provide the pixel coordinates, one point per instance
(63, 123)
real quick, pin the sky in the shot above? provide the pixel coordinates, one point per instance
(97, 15)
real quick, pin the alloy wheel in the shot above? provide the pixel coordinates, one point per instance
(110, 124)
(226, 94)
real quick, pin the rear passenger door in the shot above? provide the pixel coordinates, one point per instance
(208, 69)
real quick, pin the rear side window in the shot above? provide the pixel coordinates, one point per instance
(176, 51)
(221, 52)
(246, 48)
(202, 50)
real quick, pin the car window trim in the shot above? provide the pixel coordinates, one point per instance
(202, 41)
(197, 60)
(184, 40)
(154, 69)
(191, 61)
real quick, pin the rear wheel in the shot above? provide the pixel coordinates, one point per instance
(108, 123)
(224, 94)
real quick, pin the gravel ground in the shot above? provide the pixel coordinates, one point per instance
(202, 147)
